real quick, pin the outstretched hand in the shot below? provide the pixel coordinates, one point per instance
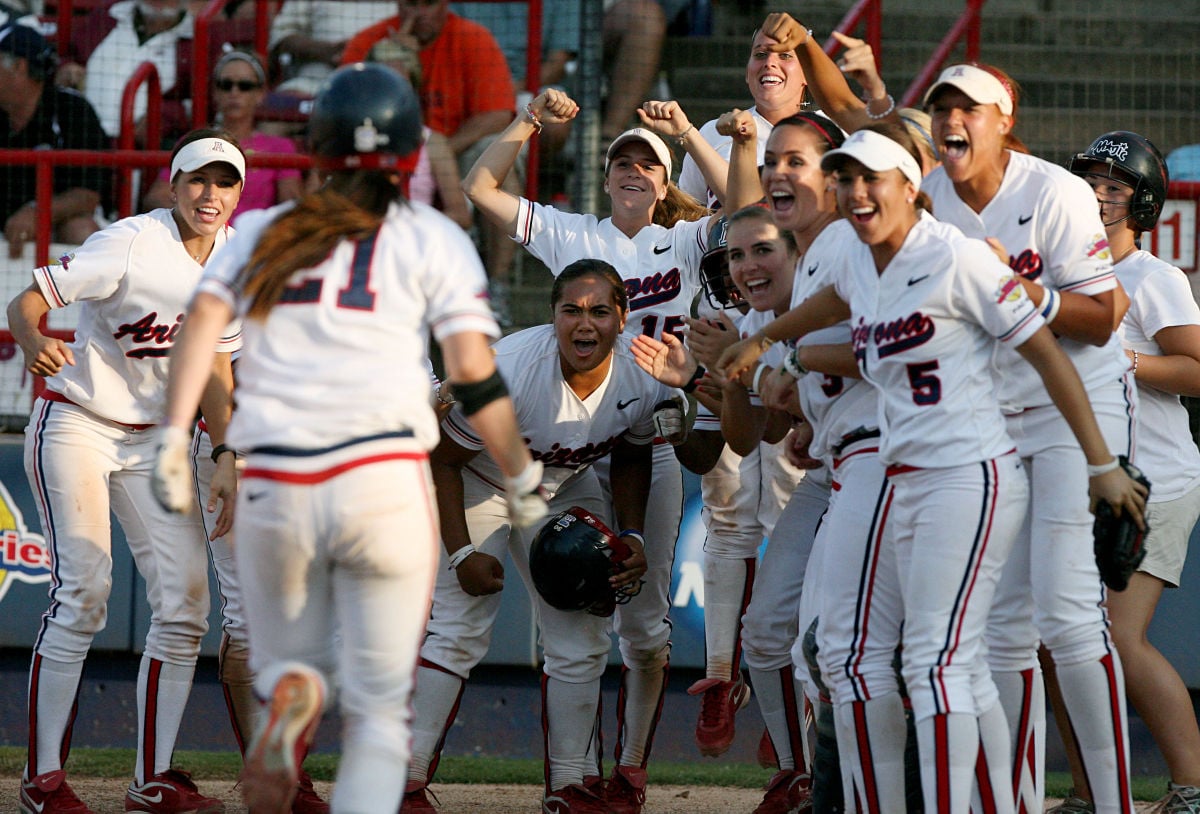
(667, 360)
(739, 357)
(858, 63)
(708, 337)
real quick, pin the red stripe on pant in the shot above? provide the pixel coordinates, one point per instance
(149, 723)
(1116, 711)
(437, 750)
(870, 791)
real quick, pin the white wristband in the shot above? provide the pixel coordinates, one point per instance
(1103, 469)
(758, 374)
(457, 558)
(791, 363)
(635, 534)
(1050, 305)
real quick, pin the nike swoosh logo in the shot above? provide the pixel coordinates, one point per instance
(658, 250)
(1021, 221)
(915, 280)
(146, 798)
(813, 269)
(28, 803)
(621, 405)
(252, 496)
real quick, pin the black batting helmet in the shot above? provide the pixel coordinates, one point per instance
(714, 268)
(571, 559)
(365, 116)
(1133, 160)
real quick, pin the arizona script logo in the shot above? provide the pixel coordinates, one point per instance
(559, 455)
(902, 334)
(1027, 264)
(644, 292)
(155, 338)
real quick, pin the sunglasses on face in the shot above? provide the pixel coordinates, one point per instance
(244, 85)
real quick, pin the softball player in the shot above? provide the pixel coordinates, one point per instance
(762, 263)
(928, 307)
(777, 83)
(1161, 336)
(655, 239)
(842, 412)
(579, 398)
(214, 475)
(87, 452)
(1045, 222)
(336, 524)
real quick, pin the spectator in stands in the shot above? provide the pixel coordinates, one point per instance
(634, 31)
(436, 180)
(35, 114)
(466, 95)
(308, 37)
(1184, 163)
(145, 31)
(239, 86)
(509, 24)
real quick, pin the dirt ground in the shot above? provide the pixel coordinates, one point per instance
(107, 796)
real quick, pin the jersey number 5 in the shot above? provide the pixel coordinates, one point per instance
(927, 388)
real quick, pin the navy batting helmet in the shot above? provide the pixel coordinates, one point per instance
(571, 559)
(365, 116)
(1132, 160)
(714, 268)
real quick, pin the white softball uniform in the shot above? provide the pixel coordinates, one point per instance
(924, 332)
(856, 592)
(86, 453)
(660, 268)
(336, 520)
(1049, 224)
(1160, 297)
(569, 436)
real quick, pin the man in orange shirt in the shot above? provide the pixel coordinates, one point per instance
(466, 92)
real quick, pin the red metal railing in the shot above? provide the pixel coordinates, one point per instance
(966, 27)
(864, 11)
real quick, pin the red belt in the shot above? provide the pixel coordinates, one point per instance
(54, 395)
(901, 469)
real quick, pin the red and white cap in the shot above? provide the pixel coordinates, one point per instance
(984, 87)
(657, 145)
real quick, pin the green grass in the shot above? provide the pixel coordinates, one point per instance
(226, 765)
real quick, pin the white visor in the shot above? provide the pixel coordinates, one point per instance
(876, 152)
(205, 151)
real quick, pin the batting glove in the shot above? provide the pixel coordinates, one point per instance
(670, 420)
(172, 479)
(527, 501)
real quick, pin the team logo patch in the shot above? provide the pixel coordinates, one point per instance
(23, 554)
(1009, 290)
(1098, 248)
(1114, 149)
(64, 261)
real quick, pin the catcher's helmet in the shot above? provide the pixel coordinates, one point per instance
(1133, 160)
(365, 116)
(714, 268)
(571, 559)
